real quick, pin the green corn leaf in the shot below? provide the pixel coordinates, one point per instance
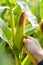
(12, 2)
(41, 9)
(26, 61)
(3, 8)
(6, 33)
(29, 29)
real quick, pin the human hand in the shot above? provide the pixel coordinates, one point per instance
(33, 47)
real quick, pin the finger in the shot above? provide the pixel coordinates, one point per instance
(28, 43)
(35, 41)
(25, 40)
(29, 37)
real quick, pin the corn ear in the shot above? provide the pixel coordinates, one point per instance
(20, 30)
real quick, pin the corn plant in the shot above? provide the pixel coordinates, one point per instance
(16, 22)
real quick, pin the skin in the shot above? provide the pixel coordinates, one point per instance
(33, 48)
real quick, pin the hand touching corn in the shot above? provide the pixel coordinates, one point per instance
(34, 49)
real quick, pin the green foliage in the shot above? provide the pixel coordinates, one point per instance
(41, 9)
(26, 60)
(7, 36)
(12, 33)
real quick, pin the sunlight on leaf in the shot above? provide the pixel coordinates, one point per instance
(30, 16)
(3, 8)
(7, 36)
(26, 61)
(28, 28)
(1, 35)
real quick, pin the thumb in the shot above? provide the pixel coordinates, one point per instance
(25, 41)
